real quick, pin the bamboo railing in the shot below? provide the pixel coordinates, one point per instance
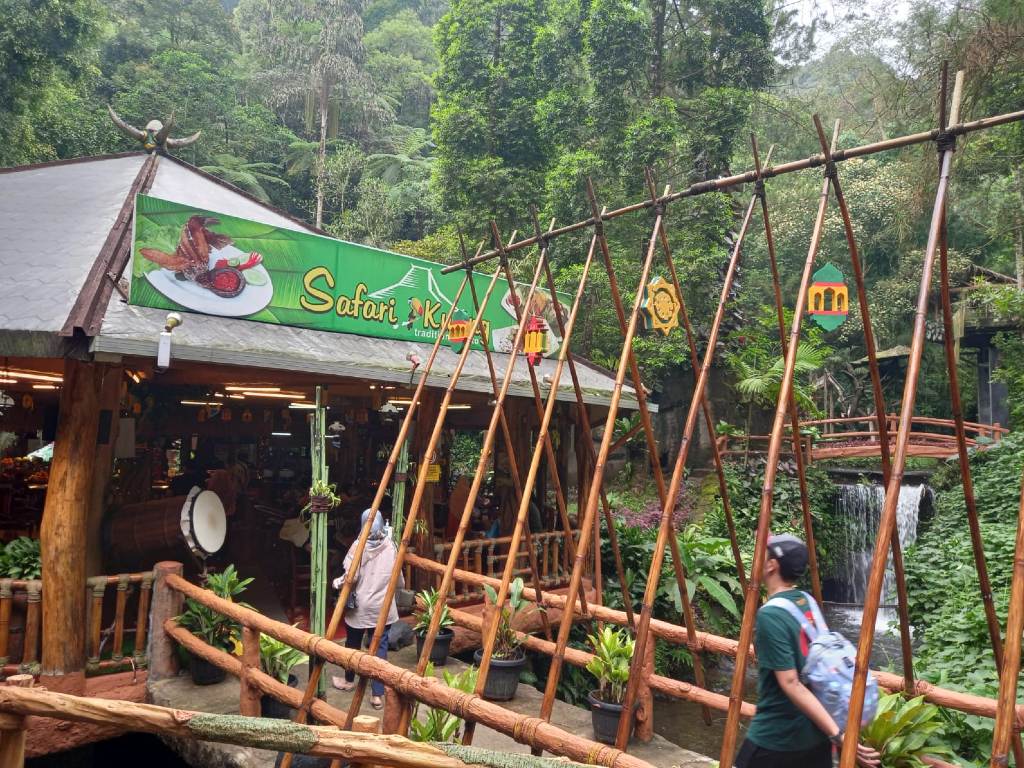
(117, 608)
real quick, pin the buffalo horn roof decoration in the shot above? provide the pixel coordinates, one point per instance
(155, 137)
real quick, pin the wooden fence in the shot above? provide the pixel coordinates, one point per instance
(117, 617)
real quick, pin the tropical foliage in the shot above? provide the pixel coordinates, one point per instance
(507, 643)
(613, 652)
(278, 658)
(431, 600)
(435, 724)
(208, 625)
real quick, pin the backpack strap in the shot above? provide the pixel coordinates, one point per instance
(819, 619)
(790, 607)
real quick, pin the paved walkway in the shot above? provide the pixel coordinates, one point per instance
(223, 698)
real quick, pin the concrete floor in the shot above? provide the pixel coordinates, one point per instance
(223, 698)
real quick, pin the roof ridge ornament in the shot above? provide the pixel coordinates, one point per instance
(155, 137)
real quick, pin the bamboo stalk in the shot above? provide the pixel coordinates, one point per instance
(117, 652)
(887, 518)
(346, 588)
(142, 617)
(753, 598)
(531, 476)
(907, 653)
(665, 534)
(1010, 667)
(749, 177)
(429, 690)
(497, 415)
(421, 485)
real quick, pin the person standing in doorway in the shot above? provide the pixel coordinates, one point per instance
(791, 728)
(367, 599)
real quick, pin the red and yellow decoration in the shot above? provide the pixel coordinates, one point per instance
(660, 307)
(458, 329)
(828, 299)
(535, 343)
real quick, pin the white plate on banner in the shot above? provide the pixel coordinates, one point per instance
(191, 295)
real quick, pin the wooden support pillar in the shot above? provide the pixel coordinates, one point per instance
(65, 517)
(163, 659)
(13, 731)
(110, 383)
(249, 694)
(363, 724)
(644, 727)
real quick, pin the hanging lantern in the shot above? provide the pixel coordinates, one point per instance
(202, 414)
(27, 402)
(136, 408)
(535, 344)
(246, 416)
(828, 299)
(660, 306)
(268, 417)
(225, 414)
(458, 329)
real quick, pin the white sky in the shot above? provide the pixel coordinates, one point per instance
(835, 10)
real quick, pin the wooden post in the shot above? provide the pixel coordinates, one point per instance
(362, 724)
(98, 589)
(110, 381)
(12, 729)
(249, 695)
(31, 654)
(142, 618)
(64, 527)
(644, 727)
(163, 657)
(117, 652)
(6, 598)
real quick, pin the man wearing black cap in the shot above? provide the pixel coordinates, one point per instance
(791, 727)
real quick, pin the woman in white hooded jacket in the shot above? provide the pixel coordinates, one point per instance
(369, 591)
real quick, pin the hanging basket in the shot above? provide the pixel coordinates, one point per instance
(320, 504)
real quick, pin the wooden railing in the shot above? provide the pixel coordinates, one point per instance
(117, 608)
(170, 589)
(488, 557)
(857, 436)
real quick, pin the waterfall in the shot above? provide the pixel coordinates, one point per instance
(861, 506)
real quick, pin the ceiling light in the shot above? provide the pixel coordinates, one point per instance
(281, 434)
(401, 400)
(459, 407)
(281, 395)
(197, 402)
(44, 386)
(134, 377)
(237, 388)
(8, 381)
(218, 394)
(303, 406)
(35, 376)
(237, 397)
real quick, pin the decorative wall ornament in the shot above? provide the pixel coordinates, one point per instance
(660, 306)
(535, 343)
(827, 298)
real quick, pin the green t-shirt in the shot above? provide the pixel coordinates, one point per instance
(780, 645)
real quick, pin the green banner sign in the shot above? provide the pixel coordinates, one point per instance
(190, 259)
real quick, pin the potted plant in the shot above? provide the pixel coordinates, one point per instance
(438, 725)
(211, 627)
(431, 598)
(277, 659)
(508, 657)
(613, 651)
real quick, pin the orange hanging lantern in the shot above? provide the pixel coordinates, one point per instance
(246, 416)
(27, 402)
(535, 344)
(225, 414)
(458, 329)
(828, 299)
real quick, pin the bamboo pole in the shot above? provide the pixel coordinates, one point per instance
(360, 545)
(421, 484)
(497, 416)
(645, 419)
(665, 532)
(1010, 666)
(887, 519)
(684, 317)
(517, 483)
(587, 523)
(753, 598)
(531, 476)
(879, 398)
(318, 579)
(429, 690)
(749, 177)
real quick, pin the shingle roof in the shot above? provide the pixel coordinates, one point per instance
(55, 218)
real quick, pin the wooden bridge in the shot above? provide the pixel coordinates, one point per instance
(857, 436)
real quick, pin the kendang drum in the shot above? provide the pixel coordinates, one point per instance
(163, 528)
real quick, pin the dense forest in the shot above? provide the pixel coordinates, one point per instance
(397, 122)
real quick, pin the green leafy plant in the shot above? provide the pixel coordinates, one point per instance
(507, 644)
(431, 598)
(207, 624)
(21, 559)
(613, 652)
(438, 724)
(906, 730)
(277, 658)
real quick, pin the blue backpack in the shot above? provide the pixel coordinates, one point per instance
(828, 671)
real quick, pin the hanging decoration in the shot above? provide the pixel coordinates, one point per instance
(202, 414)
(28, 403)
(828, 299)
(458, 330)
(246, 416)
(660, 306)
(535, 345)
(225, 414)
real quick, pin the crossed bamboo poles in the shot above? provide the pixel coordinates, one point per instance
(945, 136)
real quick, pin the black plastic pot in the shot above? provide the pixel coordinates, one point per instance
(503, 677)
(205, 673)
(439, 652)
(605, 717)
(271, 707)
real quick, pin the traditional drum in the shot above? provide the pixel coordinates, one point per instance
(161, 527)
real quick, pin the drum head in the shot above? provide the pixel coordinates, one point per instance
(203, 522)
